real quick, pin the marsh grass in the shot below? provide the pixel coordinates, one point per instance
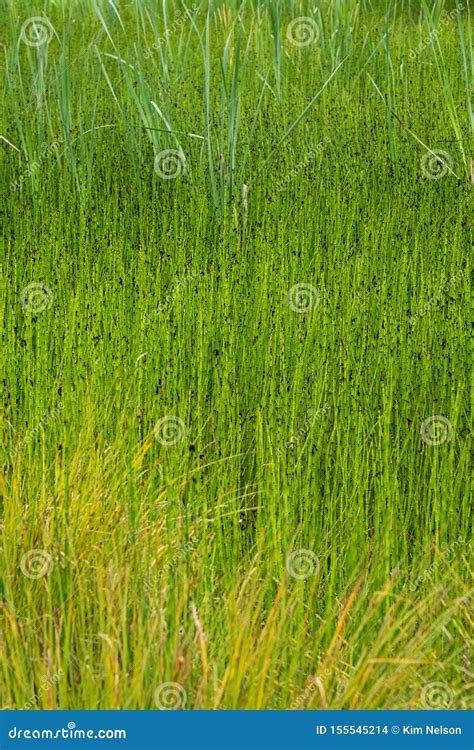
(170, 562)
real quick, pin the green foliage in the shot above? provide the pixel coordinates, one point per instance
(166, 288)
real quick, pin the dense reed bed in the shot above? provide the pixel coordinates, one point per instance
(235, 294)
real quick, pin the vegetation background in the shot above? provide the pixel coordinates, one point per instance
(235, 284)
